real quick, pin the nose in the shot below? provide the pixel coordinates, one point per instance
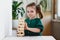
(30, 14)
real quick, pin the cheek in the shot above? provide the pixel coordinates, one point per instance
(34, 13)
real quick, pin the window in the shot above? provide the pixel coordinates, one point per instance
(58, 9)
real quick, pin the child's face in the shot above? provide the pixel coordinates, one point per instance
(31, 11)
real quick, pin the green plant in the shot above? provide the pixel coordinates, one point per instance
(43, 3)
(15, 9)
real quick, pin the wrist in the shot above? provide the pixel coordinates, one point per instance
(28, 28)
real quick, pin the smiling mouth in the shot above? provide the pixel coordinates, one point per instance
(30, 15)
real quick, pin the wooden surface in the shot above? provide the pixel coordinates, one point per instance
(47, 16)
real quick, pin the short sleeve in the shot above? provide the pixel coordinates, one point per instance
(39, 24)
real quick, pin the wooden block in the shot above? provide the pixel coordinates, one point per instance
(20, 26)
(21, 19)
(20, 29)
(20, 23)
(20, 34)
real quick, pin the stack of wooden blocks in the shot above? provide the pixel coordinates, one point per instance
(20, 29)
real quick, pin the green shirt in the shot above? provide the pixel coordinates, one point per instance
(33, 23)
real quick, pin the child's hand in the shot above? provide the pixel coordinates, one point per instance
(26, 27)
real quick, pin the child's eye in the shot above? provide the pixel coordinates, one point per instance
(31, 11)
(27, 11)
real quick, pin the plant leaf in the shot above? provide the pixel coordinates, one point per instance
(18, 4)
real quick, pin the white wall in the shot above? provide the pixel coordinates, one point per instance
(5, 18)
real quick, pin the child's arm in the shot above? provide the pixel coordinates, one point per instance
(32, 29)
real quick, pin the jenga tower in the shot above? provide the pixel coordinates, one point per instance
(20, 29)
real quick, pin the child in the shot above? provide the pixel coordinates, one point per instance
(33, 26)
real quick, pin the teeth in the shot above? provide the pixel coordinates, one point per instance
(20, 29)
